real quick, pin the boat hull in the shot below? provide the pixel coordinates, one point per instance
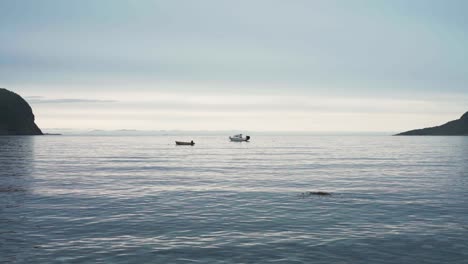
(236, 139)
(180, 143)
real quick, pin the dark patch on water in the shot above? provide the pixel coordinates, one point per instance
(316, 193)
(11, 189)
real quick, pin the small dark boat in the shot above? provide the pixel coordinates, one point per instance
(181, 143)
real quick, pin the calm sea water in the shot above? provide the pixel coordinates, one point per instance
(67, 199)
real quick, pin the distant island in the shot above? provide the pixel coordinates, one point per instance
(457, 127)
(16, 116)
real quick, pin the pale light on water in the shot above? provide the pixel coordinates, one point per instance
(80, 199)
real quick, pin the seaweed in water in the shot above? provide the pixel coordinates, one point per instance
(320, 193)
(11, 189)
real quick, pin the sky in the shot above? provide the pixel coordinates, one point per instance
(257, 65)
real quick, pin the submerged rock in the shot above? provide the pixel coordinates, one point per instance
(11, 189)
(16, 116)
(320, 193)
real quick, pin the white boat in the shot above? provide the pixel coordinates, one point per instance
(239, 138)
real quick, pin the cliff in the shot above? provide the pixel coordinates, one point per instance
(16, 116)
(457, 127)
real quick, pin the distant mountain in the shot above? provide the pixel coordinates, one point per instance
(16, 116)
(453, 128)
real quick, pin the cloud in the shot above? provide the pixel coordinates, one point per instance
(398, 46)
(217, 64)
(42, 100)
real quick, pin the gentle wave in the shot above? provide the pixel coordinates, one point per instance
(144, 200)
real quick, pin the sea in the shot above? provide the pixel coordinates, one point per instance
(142, 199)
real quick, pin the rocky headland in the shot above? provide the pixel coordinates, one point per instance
(457, 127)
(16, 116)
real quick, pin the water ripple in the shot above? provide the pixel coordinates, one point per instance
(143, 200)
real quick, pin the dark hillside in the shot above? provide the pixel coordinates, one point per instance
(16, 116)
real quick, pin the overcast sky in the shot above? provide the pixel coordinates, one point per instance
(243, 65)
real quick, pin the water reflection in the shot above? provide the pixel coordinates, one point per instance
(464, 154)
(16, 167)
(16, 163)
(16, 155)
